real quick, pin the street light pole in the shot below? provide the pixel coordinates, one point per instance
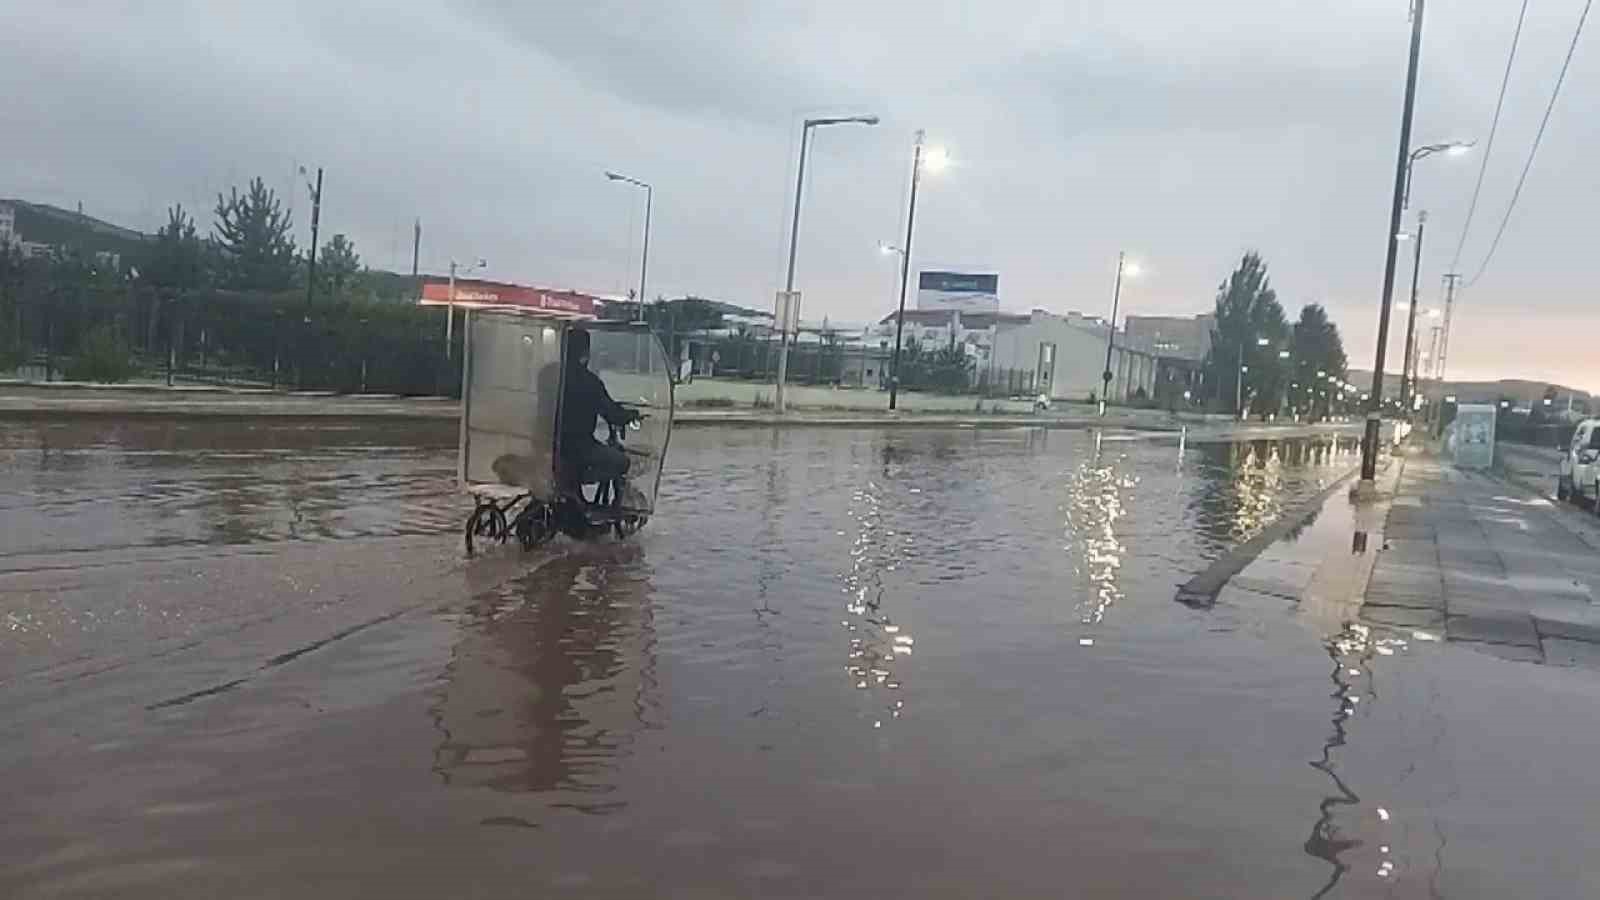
(1238, 385)
(1369, 442)
(1408, 372)
(450, 312)
(450, 306)
(644, 258)
(311, 259)
(783, 309)
(1111, 335)
(905, 271)
(794, 240)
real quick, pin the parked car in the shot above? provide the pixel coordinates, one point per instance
(1580, 464)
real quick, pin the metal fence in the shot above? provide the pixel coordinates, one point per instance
(222, 337)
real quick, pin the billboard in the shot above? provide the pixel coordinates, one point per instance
(965, 291)
(473, 293)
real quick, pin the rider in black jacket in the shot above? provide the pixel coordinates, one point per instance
(584, 400)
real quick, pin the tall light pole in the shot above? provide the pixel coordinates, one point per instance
(644, 258)
(1238, 378)
(934, 160)
(1132, 269)
(1406, 370)
(316, 217)
(450, 303)
(1369, 441)
(794, 238)
(1285, 358)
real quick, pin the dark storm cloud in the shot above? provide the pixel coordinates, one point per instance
(1184, 133)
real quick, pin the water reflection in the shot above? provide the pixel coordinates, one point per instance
(551, 681)
(1093, 508)
(876, 642)
(1351, 652)
(102, 484)
(1247, 486)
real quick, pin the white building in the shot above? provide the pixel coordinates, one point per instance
(8, 225)
(1062, 356)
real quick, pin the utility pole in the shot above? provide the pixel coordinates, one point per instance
(416, 246)
(1408, 366)
(316, 215)
(1111, 335)
(905, 271)
(1450, 280)
(1369, 443)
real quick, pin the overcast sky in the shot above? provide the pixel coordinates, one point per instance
(1181, 132)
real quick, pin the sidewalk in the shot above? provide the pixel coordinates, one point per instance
(26, 400)
(1447, 553)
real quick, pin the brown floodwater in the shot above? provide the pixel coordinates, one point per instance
(246, 659)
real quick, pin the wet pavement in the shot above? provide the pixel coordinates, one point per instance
(251, 661)
(1489, 566)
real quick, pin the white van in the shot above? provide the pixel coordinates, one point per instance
(1580, 463)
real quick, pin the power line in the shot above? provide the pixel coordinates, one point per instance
(1494, 125)
(1576, 32)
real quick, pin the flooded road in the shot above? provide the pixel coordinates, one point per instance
(251, 661)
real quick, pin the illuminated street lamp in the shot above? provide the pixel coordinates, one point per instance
(1238, 381)
(1406, 159)
(1449, 148)
(933, 159)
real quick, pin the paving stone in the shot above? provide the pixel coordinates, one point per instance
(1497, 605)
(1401, 576)
(1560, 628)
(1562, 652)
(1405, 601)
(1272, 587)
(1415, 587)
(1493, 628)
(1513, 652)
(1402, 617)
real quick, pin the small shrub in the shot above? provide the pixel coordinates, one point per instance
(102, 357)
(11, 359)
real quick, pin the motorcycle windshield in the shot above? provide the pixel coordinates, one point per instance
(634, 367)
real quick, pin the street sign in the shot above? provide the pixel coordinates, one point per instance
(786, 312)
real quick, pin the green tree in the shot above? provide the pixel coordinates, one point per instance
(339, 265)
(176, 261)
(253, 231)
(947, 368)
(11, 337)
(1247, 312)
(1316, 347)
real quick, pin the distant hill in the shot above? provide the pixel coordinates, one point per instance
(1523, 392)
(46, 224)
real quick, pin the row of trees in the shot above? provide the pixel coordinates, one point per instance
(251, 248)
(229, 305)
(1258, 357)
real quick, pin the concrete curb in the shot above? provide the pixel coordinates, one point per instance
(1200, 592)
